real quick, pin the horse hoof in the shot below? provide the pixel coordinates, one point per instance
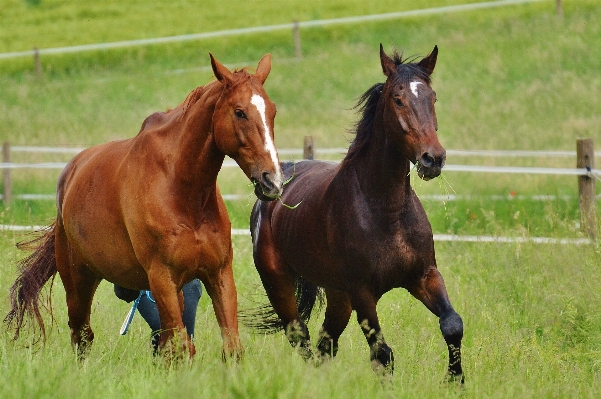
(455, 378)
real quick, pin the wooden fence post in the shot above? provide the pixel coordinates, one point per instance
(7, 179)
(37, 62)
(297, 40)
(585, 158)
(308, 148)
(559, 8)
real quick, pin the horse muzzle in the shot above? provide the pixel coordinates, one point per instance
(268, 187)
(430, 165)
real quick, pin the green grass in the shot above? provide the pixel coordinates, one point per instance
(509, 78)
(51, 23)
(532, 319)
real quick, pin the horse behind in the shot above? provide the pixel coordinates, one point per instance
(146, 212)
(360, 230)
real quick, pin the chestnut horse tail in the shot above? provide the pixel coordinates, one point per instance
(265, 319)
(34, 271)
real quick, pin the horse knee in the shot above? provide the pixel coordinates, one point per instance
(451, 327)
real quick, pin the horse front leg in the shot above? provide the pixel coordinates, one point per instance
(432, 292)
(221, 288)
(338, 314)
(380, 354)
(174, 339)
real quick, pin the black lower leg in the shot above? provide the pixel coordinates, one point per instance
(451, 327)
(298, 336)
(380, 354)
(326, 345)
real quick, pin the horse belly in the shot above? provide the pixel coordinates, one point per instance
(304, 248)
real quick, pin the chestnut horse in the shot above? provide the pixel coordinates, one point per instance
(359, 230)
(146, 212)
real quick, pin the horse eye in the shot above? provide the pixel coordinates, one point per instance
(398, 102)
(240, 114)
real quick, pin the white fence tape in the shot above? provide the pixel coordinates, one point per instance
(342, 151)
(448, 168)
(437, 237)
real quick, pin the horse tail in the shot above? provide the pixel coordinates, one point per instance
(307, 295)
(34, 271)
(264, 318)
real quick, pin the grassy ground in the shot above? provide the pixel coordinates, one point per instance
(510, 78)
(532, 329)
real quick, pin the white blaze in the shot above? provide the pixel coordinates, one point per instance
(259, 103)
(413, 86)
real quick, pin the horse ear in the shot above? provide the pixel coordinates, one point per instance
(429, 62)
(263, 68)
(388, 65)
(221, 72)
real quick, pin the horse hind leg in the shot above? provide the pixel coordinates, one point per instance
(432, 293)
(80, 285)
(280, 290)
(280, 286)
(338, 314)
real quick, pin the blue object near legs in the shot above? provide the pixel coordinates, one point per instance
(148, 309)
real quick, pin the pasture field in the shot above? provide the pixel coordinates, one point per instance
(515, 77)
(508, 78)
(532, 319)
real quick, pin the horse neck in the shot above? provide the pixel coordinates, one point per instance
(382, 170)
(198, 159)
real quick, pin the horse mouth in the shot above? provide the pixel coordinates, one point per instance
(265, 193)
(427, 173)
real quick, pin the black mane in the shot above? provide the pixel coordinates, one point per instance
(407, 70)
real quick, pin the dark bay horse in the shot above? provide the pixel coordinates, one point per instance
(146, 212)
(360, 230)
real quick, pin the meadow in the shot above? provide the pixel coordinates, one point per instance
(517, 77)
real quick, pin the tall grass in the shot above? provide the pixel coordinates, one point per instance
(532, 319)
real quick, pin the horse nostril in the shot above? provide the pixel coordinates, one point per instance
(266, 180)
(427, 160)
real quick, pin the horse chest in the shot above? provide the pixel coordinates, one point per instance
(204, 246)
(392, 250)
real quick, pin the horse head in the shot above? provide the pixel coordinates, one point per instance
(409, 112)
(243, 122)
